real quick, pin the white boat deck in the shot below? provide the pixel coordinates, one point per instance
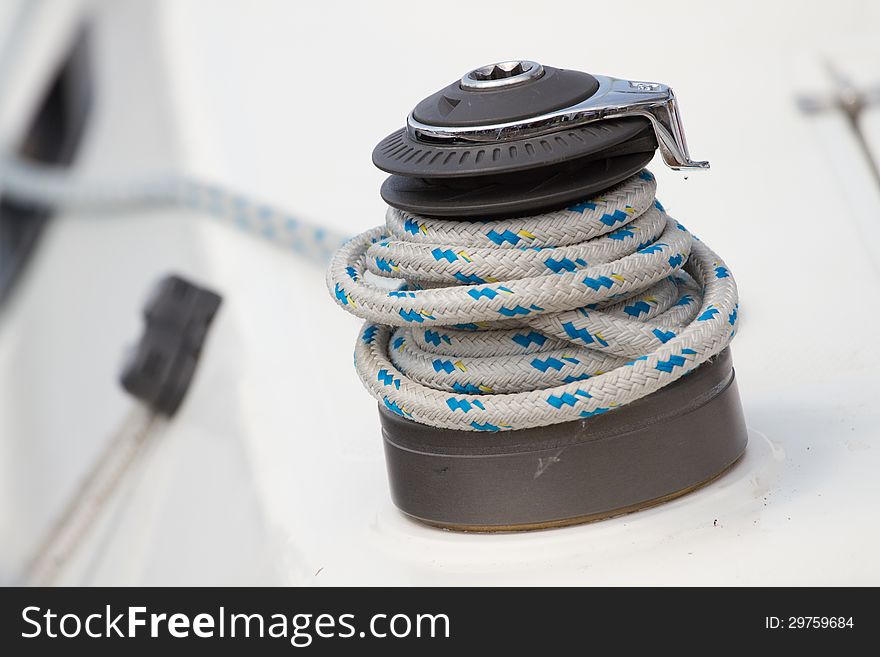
(260, 479)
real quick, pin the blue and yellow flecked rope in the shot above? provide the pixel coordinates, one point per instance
(532, 321)
(45, 185)
(493, 325)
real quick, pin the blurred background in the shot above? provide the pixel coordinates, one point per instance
(257, 479)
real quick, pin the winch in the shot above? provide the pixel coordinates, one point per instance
(518, 137)
(554, 347)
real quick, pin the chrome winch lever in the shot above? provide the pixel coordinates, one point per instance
(614, 98)
(518, 137)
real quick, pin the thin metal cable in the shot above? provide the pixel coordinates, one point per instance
(532, 321)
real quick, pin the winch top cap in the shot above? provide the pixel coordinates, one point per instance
(518, 115)
(510, 93)
(503, 92)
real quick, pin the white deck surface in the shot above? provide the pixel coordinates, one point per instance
(260, 479)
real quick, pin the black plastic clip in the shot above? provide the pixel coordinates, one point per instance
(161, 367)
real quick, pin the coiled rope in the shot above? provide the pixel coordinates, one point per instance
(532, 321)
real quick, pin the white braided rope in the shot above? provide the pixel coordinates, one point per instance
(536, 320)
(47, 185)
(504, 324)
